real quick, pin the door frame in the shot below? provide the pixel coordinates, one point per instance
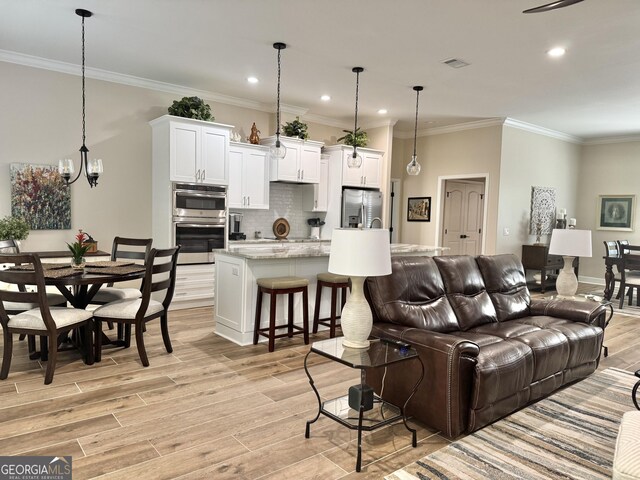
(439, 213)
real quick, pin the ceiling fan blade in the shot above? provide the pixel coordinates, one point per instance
(552, 6)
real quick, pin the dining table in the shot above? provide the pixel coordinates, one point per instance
(79, 286)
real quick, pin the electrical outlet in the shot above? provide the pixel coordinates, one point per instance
(505, 231)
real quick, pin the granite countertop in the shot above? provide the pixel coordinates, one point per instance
(262, 241)
(308, 250)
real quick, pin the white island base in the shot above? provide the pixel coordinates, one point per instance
(236, 289)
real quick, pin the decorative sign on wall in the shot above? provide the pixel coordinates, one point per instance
(419, 209)
(616, 212)
(39, 195)
(543, 210)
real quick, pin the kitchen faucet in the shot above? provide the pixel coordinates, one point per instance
(373, 220)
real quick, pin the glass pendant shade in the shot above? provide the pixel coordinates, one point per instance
(66, 168)
(278, 150)
(413, 168)
(354, 160)
(94, 167)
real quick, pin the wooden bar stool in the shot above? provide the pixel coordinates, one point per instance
(279, 286)
(334, 282)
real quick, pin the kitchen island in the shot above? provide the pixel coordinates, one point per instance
(238, 267)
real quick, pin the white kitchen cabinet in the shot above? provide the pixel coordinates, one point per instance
(248, 176)
(301, 163)
(197, 151)
(368, 174)
(316, 197)
(195, 286)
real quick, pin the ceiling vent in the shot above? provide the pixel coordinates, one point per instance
(455, 63)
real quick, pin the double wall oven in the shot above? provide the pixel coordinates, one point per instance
(199, 221)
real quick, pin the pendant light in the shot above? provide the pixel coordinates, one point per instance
(278, 150)
(93, 167)
(413, 168)
(355, 160)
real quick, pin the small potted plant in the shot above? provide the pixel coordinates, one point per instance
(296, 129)
(78, 250)
(359, 139)
(13, 228)
(191, 107)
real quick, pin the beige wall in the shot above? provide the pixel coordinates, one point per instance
(606, 170)
(467, 152)
(41, 123)
(530, 159)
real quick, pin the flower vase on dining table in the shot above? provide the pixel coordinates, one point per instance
(78, 250)
(78, 263)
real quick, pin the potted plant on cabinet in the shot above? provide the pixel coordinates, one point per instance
(357, 139)
(296, 129)
(191, 107)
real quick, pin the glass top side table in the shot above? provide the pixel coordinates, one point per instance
(379, 354)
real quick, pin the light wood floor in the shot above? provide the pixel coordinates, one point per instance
(210, 410)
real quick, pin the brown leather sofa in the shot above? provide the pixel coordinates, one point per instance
(488, 348)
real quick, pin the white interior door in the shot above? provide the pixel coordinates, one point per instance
(463, 217)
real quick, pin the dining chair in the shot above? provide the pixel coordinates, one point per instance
(43, 320)
(160, 275)
(611, 250)
(136, 250)
(14, 308)
(622, 244)
(630, 273)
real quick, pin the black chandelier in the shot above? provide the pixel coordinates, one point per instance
(413, 168)
(278, 150)
(93, 167)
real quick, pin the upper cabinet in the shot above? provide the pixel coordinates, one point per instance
(367, 175)
(301, 163)
(197, 151)
(315, 198)
(248, 176)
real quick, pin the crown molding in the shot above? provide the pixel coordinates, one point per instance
(104, 75)
(386, 122)
(616, 139)
(511, 122)
(488, 122)
(292, 109)
(328, 121)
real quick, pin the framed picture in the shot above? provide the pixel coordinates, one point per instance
(419, 209)
(616, 212)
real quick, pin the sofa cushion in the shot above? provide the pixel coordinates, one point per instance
(413, 295)
(465, 290)
(506, 284)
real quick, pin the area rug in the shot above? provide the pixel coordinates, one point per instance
(569, 435)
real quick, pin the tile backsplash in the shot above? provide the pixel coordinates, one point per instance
(285, 201)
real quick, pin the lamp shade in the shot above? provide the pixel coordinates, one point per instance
(570, 242)
(360, 252)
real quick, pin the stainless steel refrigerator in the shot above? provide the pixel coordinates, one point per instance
(361, 208)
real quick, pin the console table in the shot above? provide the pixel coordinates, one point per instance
(358, 416)
(537, 257)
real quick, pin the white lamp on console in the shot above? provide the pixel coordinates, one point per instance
(569, 243)
(359, 253)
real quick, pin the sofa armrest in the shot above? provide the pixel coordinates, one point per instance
(443, 398)
(575, 310)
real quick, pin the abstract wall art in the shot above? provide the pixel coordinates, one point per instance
(39, 195)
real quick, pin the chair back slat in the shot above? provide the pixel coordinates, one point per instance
(21, 277)
(622, 246)
(137, 249)
(160, 263)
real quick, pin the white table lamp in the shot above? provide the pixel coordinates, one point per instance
(569, 243)
(359, 253)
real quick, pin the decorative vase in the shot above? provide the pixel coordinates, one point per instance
(78, 263)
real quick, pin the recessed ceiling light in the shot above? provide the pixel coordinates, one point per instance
(325, 98)
(382, 111)
(556, 52)
(252, 80)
